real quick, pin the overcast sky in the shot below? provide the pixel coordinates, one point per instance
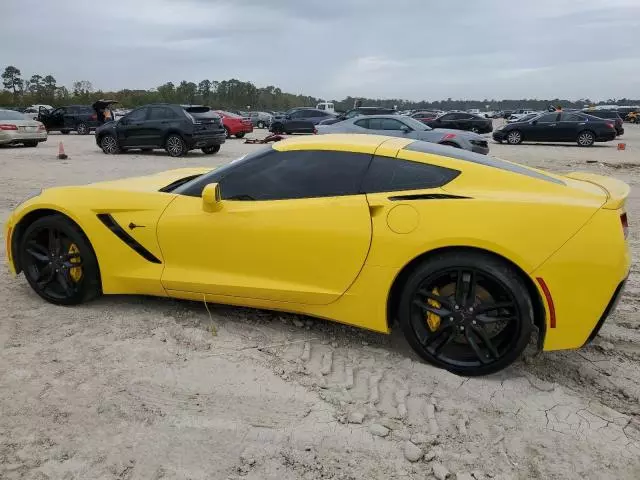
(412, 49)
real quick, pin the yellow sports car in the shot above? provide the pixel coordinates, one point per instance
(469, 254)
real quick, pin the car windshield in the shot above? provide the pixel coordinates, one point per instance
(415, 124)
(11, 115)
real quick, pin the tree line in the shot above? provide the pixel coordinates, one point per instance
(235, 94)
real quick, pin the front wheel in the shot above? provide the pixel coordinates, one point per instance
(175, 146)
(514, 137)
(109, 145)
(240, 135)
(59, 262)
(586, 138)
(82, 129)
(211, 149)
(467, 312)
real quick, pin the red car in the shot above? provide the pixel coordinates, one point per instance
(235, 124)
(424, 116)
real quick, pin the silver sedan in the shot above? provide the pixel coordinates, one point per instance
(18, 128)
(407, 127)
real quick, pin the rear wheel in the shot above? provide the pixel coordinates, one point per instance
(240, 135)
(59, 262)
(211, 149)
(109, 145)
(514, 137)
(467, 312)
(82, 129)
(175, 146)
(228, 132)
(586, 138)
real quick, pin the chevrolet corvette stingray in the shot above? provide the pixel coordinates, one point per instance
(467, 254)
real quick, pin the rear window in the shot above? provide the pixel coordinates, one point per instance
(200, 113)
(11, 115)
(231, 115)
(392, 174)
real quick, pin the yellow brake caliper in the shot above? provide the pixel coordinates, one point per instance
(433, 320)
(75, 272)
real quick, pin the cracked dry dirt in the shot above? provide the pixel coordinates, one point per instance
(139, 388)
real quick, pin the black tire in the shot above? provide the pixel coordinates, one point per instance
(260, 124)
(514, 137)
(228, 132)
(31, 143)
(211, 149)
(83, 129)
(467, 339)
(277, 128)
(51, 270)
(240, 135)
(64, 132)
(175, 146)
(109, 144)
(586, 138)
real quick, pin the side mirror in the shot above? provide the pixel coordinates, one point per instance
(288, 117)
(406, 129)
(211, 200)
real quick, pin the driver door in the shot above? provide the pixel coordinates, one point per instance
(132, 128)
(291, 227)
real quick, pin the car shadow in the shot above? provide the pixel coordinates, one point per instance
(565, 145)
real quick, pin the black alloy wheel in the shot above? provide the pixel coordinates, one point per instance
(58, 261)
(468, 313)
(227, 132)
(109, 145)
(514, 137)
(210, 150)
(586, 138)
(82, 129)
(175, 146)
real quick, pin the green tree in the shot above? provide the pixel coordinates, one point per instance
(186, 92)
(49, 87)
(11, 79)
(36, 85)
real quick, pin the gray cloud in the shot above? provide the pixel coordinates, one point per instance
(411, 49)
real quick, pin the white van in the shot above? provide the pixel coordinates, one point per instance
(326, 106)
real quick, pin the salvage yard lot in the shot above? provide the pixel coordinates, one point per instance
(137, 387)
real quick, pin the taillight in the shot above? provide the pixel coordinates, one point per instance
(625, 224)
(8, 126)
(610, 125)
(41, 127)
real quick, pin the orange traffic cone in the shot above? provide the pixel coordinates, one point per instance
(622, 146)
(61, 154)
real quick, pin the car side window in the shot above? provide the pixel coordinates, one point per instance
(572, 117)
(449, 116)
(296, 174)
(549, 118)
(298, 114)
(388, 124)
(364, 123)
(161, 113)
(352, 113)
(388, 174)
(137, 115)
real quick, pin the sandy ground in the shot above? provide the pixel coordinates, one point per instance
(148, 388)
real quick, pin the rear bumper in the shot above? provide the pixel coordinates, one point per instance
(584, 277)
(613, 303)
(606, 136)
(8, 137)
(206, 140)
(619, 131)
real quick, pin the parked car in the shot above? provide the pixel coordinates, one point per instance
(608, 115)
(506, 113)
(174, 128)
(459, 251)
(407, 127)
(18, 128)
(299, 120)
(518, 114)
(235, 124)
(81, 118)
(260, 119)
(424, 116)
(355, 112)
(558, 127)
(462, 121)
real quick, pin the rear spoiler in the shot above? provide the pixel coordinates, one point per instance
(616, 190)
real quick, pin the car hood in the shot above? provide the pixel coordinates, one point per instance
(150, 183)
